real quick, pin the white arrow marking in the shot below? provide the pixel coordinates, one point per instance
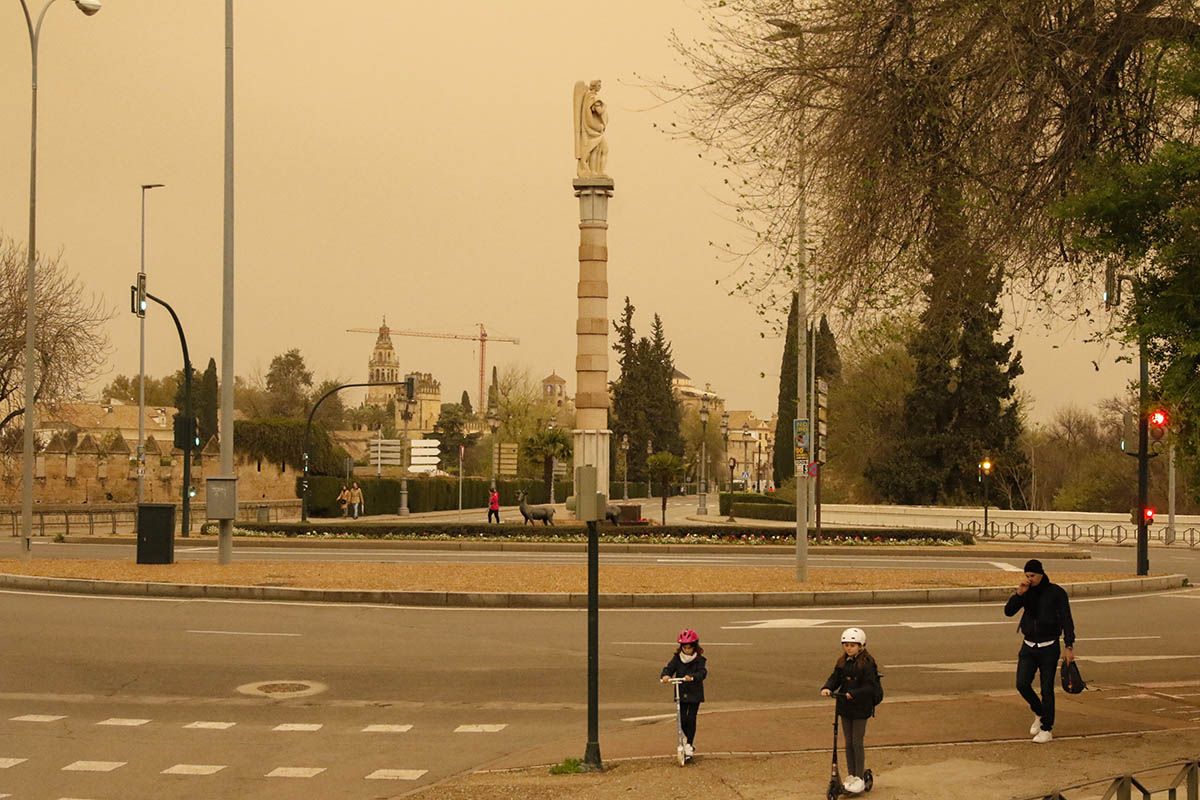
(1008, 666)
(1004, 566)
(783, 623)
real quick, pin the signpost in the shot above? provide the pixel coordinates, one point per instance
(508, 460)
(386, 452)
(425, 455)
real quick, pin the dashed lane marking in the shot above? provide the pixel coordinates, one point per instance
(124, 723)
(706, 644)
(479, 728)
(1006, 567)
(93, 766)
(210, 726)
(295, 772)
(396, 774)
(193, 769)
(245, 633)
(298, 726)
(36, 718)
(7, 763)
(387, 729)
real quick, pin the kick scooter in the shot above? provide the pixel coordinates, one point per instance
(681, 747)
(835, 779)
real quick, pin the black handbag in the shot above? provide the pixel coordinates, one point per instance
(1072, 683)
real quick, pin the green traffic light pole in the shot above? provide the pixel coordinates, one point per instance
(185, 519)
(308, 435)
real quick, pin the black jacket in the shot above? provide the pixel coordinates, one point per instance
(693, 691)
(1047, 613)
(860, 678)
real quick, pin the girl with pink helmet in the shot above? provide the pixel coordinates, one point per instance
(689, 664)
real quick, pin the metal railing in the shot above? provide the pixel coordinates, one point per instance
(110, 519)
(1184, 786)
(1073, 532)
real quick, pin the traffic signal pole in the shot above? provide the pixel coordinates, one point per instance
(185, 516)
(1143, 455)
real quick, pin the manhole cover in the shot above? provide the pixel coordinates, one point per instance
(282, 689)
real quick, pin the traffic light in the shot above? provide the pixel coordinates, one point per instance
(1148, 514)
(187, 432)
(192, 490)
(139, 296)
(1158, 420)
(410, 387)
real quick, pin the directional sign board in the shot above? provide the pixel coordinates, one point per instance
(386, 452)
(417, 460)
(423, 468)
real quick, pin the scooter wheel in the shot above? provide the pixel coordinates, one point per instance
(834, 791)
(868, 781)
(680, 756)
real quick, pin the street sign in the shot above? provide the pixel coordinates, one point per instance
(802, 468)
(416, 460)
(435, 443)
(423, 468)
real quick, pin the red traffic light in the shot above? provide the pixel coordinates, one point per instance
(1148, 514)
(1159, 418)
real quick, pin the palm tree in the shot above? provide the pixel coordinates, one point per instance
(664, 469)
(546, 447)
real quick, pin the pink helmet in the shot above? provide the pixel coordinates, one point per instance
(688, 636)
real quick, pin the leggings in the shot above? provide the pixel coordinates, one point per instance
(687, 720)
(853, 731)
(493, 512)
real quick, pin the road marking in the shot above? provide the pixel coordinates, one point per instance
(36, 718)
(1005, 566)
(245, 633)
(6, 763)
(648, 719)
(1008, 666)
(298, 726)
(1115, 638)
(211, 726)
(94, 766)
(193, 769)
(706, 644)
(295, 772)
(783, 623)
(396, 774)
(479, 728)
(125, 723)
(387, 729)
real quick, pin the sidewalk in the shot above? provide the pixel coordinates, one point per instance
(932, 748)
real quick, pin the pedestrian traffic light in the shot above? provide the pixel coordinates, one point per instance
(196, 432)
(410, 388)
(1158, 420)
(187, 433)
(192, 490)
(1148, 514)
(141, 294)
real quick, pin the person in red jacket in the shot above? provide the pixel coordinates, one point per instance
(494, 506)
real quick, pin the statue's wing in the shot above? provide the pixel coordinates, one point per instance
(577, 116)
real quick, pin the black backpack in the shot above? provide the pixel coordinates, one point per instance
(878, 687)
(1072, 682)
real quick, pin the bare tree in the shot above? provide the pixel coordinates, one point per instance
(918, 116)
(71, 343)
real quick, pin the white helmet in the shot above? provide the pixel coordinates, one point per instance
(856, 635)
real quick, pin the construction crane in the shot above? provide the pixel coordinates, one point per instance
(482, 338)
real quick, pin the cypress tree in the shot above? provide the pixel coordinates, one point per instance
(663, 408)
(785, 466)
(207, 402)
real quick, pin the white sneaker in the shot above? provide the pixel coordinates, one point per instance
(689, 751)
(854, 785)
(1043, 737)
(1036, 726)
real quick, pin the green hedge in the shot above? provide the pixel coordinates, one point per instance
(570, 527)
(728, 498)
(382, 496)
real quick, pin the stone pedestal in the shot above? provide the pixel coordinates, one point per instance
(591, 328)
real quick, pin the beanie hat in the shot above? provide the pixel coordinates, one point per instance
(1033, 565)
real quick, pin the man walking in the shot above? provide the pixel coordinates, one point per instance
(356, 500)
(1046, 616)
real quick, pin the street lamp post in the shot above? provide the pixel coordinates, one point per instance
(406, 414)
(746, 450)
(625, 465)
(88, 7)
(725, 441)
(141, 445)
(732, 466)
(649, 483)
(790, 30)
(758, 468)
(553, 466)
(985, 473)
(703, 507)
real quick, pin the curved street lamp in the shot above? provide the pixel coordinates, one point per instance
(88, 7)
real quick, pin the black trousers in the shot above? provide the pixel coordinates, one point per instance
(493, 512)
(1043, 660)
(687, 720)
(853, 733)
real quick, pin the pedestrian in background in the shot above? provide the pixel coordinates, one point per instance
(688, 663)
(855, 678)
(1046, 615)
(493, 506)
(356, 500)
(343, 499)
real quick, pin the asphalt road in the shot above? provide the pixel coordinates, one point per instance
(131, 698)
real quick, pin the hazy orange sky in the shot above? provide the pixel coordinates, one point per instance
(393, 158)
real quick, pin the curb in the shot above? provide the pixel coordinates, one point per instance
(561, 600)
(1055, 551)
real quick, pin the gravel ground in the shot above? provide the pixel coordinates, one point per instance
(369, 575)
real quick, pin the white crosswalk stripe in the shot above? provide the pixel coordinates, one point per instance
(6, 763)
(124, 723)
(94, 766)
(194, 769)
(298, 726)
(396, 774)
(479, 728)
(387, 729)
(295, 772)
(36, 718)
(210, 726)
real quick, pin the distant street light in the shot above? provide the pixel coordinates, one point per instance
(88, 7)
(649, 483)
(493, 420)
(725, 441)
(985, 474)
(625, 464)
(703, 508)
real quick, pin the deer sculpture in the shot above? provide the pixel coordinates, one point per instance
(613, 514)
(534, 513)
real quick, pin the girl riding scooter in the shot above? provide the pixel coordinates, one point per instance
(855, 679)
(689, 664)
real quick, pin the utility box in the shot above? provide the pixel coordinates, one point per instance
(589, 504)
(630, 513)
(220, 497)
(156, 533)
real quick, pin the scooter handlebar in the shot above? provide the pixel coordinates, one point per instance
(676, 680)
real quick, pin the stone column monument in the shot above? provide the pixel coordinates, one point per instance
(593, 187)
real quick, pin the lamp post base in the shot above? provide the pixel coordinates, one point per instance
(403, 497)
